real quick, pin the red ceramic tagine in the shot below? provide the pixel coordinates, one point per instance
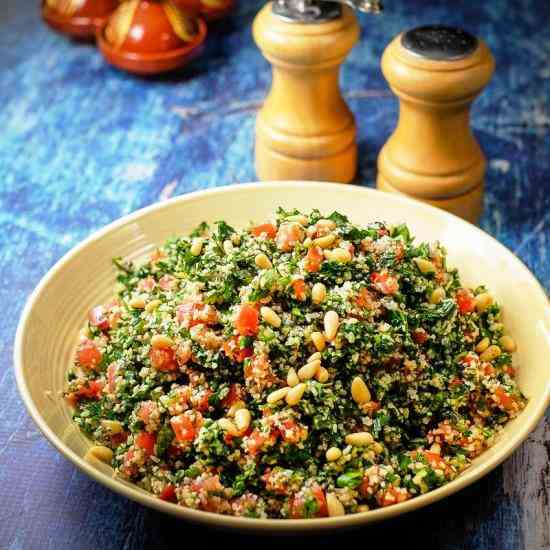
(212, 10)
(77, 18)
(152, 36)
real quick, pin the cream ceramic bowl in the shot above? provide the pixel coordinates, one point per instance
(48, 329)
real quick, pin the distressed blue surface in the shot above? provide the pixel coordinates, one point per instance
(82, 144)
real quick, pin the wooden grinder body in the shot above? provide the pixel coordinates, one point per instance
(433, 155)
(305, 131)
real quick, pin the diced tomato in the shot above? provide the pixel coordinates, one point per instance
(201, 402)
(384, 282)
(247, 320)
(235, 394)
(255, 442)
(436, 461)
(420, 336)
(314, 259)
(234, 352)
(456, 382)
(167, 282)
(392, 495)
(297, 505)
(190, 314)
(145, 410)
(505, 399)
(147, 284)
(146, 441)
(509, 370)
(268, 228)
(163, 359)
(299, 287)
(157, 254)
(98, 317)
(258, 372)
(183, 354)
(364, 299)
(291, 431)
(111, 377)
(91, 391)
(488, 369)
(118, 439)
(465, 300)
(187, 425)
(168, 494)
(371, 407)
(88, 355)
(288, 235)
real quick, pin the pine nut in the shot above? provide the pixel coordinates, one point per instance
(307, 372)
(295, 394)
(377, 448)
(318, 340)
(482, 345)
(236, 239)
(362, 508)
(326, 241)
(340, 255)
(322, 375)
(292, 378)
(270, 317)
(262, 261)
(152, 306)
(161, 341)
(227, 426)
(235, 407)
(331, 322)
(242, 420)
(100, 452)
(300, 218)
(425, 266)
(334, 506)
(326, 225)
(359, 439)
(490, 354)
(196, 246)
(437, 296)
(318, 293)
(359, 391)
(314, 357)
(483, 302)
(277, 395)
(228, 247)
(112, 426)
(507, 343)
(308, 243)
(137, 303)
(333, 454)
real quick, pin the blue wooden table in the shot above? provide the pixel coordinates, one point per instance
(82, 144)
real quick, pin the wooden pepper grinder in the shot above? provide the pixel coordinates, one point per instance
(305, 130)
(436, 72)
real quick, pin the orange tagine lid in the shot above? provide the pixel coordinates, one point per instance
(78, 18)
(153, 36)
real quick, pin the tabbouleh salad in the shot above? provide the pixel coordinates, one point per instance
(301, 368)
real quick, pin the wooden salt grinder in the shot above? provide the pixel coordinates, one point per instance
(436, 72)
(305, 131)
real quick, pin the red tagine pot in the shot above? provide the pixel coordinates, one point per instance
(149, 37)
(77, 18)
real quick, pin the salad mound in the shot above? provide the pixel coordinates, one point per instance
(300, 368)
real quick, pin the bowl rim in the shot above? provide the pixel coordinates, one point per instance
(249, 524)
